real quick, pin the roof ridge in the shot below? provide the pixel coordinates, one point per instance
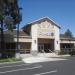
(45, 17)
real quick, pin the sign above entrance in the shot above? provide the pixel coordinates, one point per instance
(45, 33)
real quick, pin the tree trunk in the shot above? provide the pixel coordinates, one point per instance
(2, 42)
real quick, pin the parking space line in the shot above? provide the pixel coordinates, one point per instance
(46, 72)
(14, 65)
(40, 66)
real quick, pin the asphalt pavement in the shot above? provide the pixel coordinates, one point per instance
(61, 67)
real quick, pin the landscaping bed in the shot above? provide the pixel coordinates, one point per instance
(9, 60)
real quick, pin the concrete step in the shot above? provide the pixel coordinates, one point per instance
(48, 55)
(39, 55)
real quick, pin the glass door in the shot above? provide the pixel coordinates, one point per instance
(41, 48)
(46, 48)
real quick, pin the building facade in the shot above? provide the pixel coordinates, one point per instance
(45, 35)
(42, 35)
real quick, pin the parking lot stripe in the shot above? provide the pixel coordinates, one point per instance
(40, 66)
(46, 72)
(14, 65)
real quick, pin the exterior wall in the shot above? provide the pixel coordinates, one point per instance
(44, 40)
(45, 29)
(67, 41)
(57, 39)
(34, 45)
(23, 39)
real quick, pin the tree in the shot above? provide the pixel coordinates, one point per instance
(68, 33)
(9, 17)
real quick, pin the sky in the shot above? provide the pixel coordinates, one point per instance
(61, 11)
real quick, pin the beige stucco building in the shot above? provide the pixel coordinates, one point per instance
(42, 35)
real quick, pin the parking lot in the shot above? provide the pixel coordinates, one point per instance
(62, 67)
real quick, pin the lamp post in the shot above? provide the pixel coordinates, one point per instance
(18, 46)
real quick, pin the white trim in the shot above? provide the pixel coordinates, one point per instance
(44, 18)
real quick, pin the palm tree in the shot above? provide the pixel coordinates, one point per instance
(9, 17)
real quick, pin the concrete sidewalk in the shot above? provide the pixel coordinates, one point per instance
(44, 57)
(40, 59)
(48, 55)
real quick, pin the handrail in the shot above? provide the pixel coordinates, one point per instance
(24, 50)
(50, 51)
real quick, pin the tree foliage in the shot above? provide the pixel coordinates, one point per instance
(9, 13)
(68, 33)
(9, 17)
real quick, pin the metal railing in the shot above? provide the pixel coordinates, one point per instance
(67, 50)
(24, 51)
(49, 51)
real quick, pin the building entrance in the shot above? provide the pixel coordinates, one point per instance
(45, 45)
(44, 48)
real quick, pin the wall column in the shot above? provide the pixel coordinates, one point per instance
(34, 45)
(57, 40)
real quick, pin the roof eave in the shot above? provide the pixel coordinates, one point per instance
(33, 22)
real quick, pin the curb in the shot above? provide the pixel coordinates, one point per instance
(10, 62)
(64, 55)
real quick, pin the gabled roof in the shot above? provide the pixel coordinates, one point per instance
(42, 19)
